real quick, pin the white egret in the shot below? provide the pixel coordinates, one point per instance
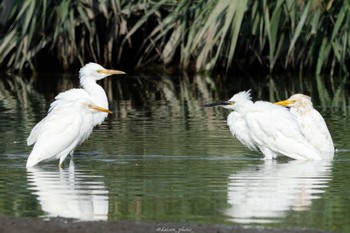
(88, 76)
(71, 117)
(266, 127)
(311, 123)
(64, 128)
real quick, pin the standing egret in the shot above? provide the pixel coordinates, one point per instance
(266, 127)
(71, 117)
(311, 123)
(64, 128)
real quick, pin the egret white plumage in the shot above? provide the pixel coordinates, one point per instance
(311, 123)
(266, 127)
(71, 117)
(88, 76)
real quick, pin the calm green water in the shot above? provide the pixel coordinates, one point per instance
(162, 157)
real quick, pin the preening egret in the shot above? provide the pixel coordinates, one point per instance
(71, 117)
(311, 123)
(266, 127)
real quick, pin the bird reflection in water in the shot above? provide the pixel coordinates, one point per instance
(265, 193)
(69, 193)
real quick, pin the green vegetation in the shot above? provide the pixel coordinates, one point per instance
(208, 35)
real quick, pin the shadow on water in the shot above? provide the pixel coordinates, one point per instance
(162, 156)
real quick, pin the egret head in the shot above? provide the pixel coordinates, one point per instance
(96, 71)
(297, 100)
(98, 108)
(237, 102)
(89, 106)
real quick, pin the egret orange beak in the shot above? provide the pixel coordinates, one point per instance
(110, 72)
(285, 103)
(100, 109)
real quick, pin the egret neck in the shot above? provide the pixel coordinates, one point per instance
(98, 96)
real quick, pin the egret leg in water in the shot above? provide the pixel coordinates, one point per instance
(266, 127)
(311, 123)
(71, 117)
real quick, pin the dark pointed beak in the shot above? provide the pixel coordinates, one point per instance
(217, 104)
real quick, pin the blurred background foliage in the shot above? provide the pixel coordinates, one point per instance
(205, 36)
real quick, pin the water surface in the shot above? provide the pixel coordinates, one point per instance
(163, 157)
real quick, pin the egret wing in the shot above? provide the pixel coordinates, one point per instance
(59, 132)
(61, 101)
(33, 136)
(273, 127)
(240, 130)
(72, 94)
(316, 131)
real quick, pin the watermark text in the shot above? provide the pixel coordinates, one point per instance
(168, 229)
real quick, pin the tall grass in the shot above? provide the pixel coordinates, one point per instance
(210, 35)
